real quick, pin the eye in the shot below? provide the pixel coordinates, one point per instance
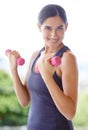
(60, 28)
(47, 28)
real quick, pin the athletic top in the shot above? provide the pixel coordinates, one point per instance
(43, 114)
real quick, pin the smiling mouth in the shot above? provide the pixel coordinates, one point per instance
(53, 40)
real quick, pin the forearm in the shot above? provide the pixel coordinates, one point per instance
(63, 102)
(20, 90)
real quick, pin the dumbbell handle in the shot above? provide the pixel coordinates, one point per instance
(20, 60)
(55, 61)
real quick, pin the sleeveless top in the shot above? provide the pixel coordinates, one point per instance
(43, 114)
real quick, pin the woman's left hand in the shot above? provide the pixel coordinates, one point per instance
(45, 67)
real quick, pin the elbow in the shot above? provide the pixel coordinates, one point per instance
(71, 115)
(24, 103)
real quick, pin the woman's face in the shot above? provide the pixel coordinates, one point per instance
(53, 30)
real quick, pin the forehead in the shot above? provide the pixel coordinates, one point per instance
(53, 21)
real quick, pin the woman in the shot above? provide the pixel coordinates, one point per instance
(53, 90)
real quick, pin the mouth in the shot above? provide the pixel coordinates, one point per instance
(53, 41)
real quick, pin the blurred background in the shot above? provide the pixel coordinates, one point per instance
(18, 31)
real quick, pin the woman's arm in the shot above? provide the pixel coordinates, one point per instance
(65, 101)
(20, 88)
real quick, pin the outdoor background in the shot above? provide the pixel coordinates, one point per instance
(18, 31)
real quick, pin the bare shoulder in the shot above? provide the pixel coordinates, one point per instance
(69, 57)
(34, 55)
(32, 58)
(69, 61)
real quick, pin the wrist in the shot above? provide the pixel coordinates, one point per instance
(13, 70)
(47, 77)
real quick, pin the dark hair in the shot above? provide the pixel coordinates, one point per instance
(52, 10)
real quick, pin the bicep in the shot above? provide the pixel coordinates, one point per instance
(70, 77)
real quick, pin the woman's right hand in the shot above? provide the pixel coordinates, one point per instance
(13, 56)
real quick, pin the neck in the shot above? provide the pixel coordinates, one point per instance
(53, 50)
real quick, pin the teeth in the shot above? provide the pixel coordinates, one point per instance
(53, 40)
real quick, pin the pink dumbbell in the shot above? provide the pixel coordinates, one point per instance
(55, 61)
(20, 60)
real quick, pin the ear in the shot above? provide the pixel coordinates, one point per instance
(39, 27)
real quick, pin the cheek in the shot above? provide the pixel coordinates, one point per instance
(45, 35)
(61, 35)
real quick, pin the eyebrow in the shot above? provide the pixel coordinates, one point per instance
(61, 26)
(58, 27)
(51, 26)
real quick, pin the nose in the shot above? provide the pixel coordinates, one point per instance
(53, 33)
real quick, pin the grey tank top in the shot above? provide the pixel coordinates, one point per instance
(43, 114)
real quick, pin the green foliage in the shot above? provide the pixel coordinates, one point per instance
(11, 113)
(5, 79)
(81, 118)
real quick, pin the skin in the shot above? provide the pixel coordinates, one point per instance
(53, 30)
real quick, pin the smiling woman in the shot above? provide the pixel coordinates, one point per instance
(53, 95)
(18, 31)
